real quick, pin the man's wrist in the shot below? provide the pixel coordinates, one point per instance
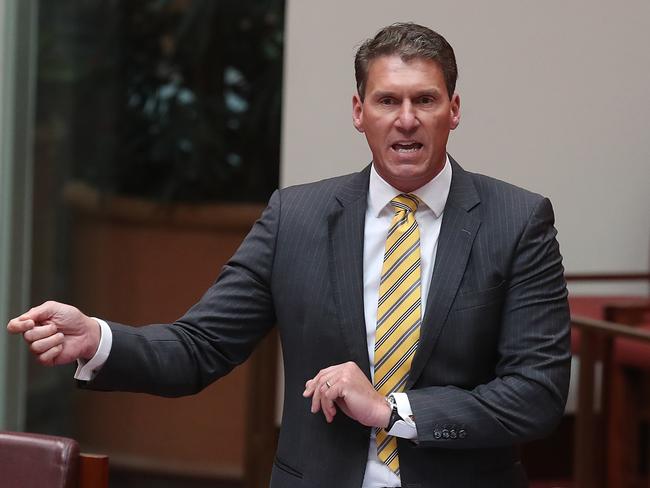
(87, 369)
(385, 413)
(394, 414)
(404, 425)
(94, 335)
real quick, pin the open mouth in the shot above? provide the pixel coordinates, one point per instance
(406, 147)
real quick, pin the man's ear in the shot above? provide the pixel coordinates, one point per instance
(357, 112)
(454, 113)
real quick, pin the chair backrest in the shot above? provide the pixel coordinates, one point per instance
(43, 461)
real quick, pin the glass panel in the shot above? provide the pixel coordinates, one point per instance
(170, 102)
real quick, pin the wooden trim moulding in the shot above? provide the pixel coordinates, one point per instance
(596, 344)
(231, 216)
(618, 276)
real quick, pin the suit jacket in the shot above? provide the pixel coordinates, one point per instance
(492, 366)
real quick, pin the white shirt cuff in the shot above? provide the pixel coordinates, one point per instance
(404, 428)
(87, 370)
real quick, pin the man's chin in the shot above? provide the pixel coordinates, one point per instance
(408, 176)
(407, 182)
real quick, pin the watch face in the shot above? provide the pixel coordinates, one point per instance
(394, 416)
(391, 401)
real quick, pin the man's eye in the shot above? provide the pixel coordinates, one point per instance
(386, 101)
(426, 100)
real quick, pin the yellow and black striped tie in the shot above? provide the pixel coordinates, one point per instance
(399, 312)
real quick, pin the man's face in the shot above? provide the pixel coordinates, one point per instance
(406, 117)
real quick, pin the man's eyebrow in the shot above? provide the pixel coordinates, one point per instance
(428, 91)
(383, 93)
(433, 91)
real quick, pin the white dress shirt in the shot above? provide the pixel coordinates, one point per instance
(379, 214)
(86, 370)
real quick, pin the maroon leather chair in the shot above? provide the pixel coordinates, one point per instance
(42, 461)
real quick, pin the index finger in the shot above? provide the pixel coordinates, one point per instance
(41, 312)
(20, 325)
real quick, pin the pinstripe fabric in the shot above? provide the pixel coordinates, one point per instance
(399, 313)
(492, 364)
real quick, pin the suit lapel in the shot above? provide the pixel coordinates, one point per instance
(457, 233)
(346, 234)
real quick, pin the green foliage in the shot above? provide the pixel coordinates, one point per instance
(175, 100)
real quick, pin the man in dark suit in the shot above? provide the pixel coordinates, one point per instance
(422, 308)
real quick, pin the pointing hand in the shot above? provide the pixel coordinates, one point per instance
(57, 333)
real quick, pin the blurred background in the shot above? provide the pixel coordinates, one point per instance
(139, 140)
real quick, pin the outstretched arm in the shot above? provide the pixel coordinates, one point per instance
(214, 336)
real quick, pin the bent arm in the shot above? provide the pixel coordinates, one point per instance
(526, 398)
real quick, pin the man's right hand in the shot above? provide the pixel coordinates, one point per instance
(57, 333)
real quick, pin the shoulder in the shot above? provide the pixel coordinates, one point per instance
(501, 202)
(492, 188)
(325, 185)
(494, 192)
(322, 194)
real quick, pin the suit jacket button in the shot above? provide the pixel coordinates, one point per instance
(462, 434)
(445, 434)
(437, 434)
(453, 434)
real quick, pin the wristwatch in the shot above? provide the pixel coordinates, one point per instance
(394, 416)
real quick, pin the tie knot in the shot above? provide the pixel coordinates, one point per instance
(405, 203)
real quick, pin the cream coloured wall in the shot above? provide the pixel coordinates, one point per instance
(554, 98)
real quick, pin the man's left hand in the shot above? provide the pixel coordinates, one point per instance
(346, 387)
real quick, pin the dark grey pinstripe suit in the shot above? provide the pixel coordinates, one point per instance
(492, 369)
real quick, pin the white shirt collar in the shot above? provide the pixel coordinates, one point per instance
(433, 194)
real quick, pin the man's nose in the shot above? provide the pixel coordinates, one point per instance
(407, 118)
